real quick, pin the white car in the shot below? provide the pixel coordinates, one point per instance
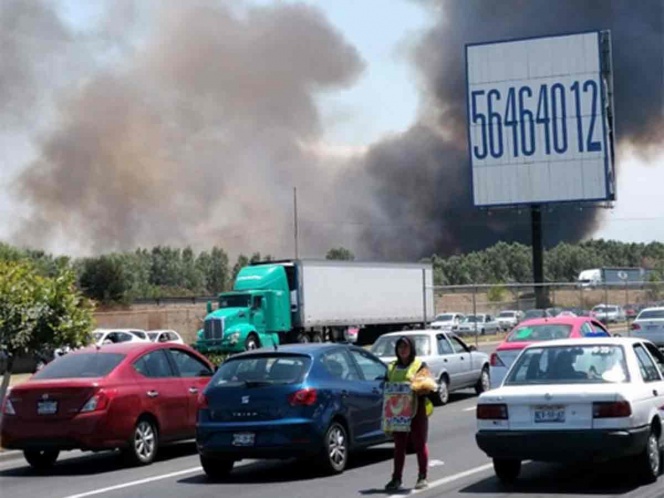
(609, 313)
(114, 336)
(508, 319)
(165, 336)
(649, 324)
(570, 401)
(447, 321)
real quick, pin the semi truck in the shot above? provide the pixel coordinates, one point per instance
(278, 302)
(612, 276)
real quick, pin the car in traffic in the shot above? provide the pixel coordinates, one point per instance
(454, 364)
(316, 401)
(537, 313)
(608, 313)
(649, 325)
(477, 325)
(133, 396)
(102, 337)
(447, 321)
(164, 336)
(573, 401)
(537, 330)
(508, 319)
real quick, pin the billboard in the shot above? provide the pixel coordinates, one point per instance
(540, 120)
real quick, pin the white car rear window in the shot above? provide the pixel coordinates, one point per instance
(590, 364)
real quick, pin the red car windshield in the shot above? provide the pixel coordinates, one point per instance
(544, 332)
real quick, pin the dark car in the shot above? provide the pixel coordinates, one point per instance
(131, 396)
(312, 401)
(536, 313)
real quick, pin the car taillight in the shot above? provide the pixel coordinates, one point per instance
(9, 408)
(612, 409)
(303, 397)
(636, 326)
(99, 401)
(492, 412)
(203, 403)
(496, 361)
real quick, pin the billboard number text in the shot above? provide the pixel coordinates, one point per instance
(520, 110)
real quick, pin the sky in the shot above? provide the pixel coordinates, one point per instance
(385, 99)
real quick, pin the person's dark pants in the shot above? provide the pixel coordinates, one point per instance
(419, 429)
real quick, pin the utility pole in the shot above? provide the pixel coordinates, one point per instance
(295, 224)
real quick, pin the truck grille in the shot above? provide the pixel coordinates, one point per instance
(213, 329)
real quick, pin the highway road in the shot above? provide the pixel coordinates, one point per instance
(457, 469)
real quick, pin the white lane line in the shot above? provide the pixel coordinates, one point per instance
(137, 483)
(469, 409)
(446, 480)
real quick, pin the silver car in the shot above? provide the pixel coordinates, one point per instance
(508, 319)
(453, 363)
(447, 321)
(649, 325)
(477, 325)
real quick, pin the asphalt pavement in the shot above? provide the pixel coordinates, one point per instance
(457, 469)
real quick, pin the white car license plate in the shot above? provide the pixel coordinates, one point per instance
(47, 407)
(244, 439)
(550, 414)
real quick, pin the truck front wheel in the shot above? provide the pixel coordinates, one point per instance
(251, 342)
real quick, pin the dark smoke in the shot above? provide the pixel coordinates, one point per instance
(421, 178)
(195, 120)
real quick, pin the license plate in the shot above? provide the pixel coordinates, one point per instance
(47, 407)
(550, 414)
(244, 439)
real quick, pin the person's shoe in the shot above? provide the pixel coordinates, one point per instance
(421, 483)
(393, 485)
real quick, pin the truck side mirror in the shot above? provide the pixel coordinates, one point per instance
(209, 307)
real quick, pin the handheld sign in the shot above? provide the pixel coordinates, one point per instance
(397, 407)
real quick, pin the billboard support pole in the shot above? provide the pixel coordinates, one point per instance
(538, 255)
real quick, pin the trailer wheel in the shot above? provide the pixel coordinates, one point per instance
(303, 338)
(316, 337)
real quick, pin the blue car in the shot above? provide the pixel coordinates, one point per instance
(310, 401)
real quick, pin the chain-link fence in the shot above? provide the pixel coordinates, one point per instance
(492, 299)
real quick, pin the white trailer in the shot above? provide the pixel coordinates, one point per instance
(376, 297)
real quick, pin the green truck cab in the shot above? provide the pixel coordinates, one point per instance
(252, 315)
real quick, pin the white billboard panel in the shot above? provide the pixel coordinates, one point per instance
(537, 120)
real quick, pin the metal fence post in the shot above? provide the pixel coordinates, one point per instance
(475, 314)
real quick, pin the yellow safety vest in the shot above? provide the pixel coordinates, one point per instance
(395, 374)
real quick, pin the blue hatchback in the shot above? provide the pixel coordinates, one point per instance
(305, 400)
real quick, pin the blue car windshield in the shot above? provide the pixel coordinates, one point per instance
(263, 369)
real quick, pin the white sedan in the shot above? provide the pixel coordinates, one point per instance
(115, 336)
(165, 336)
(570, 400)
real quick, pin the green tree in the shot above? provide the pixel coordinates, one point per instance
(241, 262)
(39, 312)
(340, 254)
(214, 268)
(105, 279)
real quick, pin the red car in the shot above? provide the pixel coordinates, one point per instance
(131, 396)
(540, 329)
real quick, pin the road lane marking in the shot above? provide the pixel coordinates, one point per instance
(137, 483)
(446, 480)
(435, 463)
(470, 409)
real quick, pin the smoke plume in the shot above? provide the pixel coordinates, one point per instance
(197, 120)
(421, 179)
(196, 137)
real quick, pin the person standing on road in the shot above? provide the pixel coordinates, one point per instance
(405, 369)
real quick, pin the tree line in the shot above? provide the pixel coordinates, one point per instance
(163, 271)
